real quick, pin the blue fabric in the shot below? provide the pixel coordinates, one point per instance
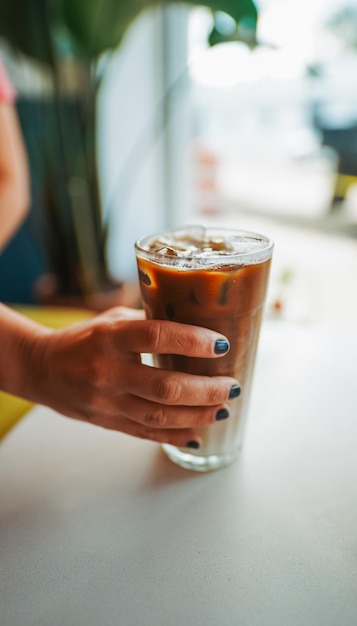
(20, 266)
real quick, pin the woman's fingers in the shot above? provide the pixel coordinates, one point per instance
(154, 415)
(181, 437)
(163, 337)
(175, 388)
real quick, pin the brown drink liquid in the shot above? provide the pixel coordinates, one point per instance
(215, 278)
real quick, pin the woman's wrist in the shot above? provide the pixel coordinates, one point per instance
(22, 356)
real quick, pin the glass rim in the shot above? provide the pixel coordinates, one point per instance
(261, 254)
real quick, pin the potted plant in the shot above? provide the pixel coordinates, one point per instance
(68, 38)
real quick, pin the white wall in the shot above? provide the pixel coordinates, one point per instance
(143, 165)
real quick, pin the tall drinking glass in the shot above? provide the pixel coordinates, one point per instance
(216, 278)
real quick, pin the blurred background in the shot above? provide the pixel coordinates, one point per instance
(244, 117)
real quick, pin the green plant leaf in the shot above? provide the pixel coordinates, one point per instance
(87, 29)
(28, 32)
(104, 26)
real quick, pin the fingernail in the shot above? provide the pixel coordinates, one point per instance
(193, 444)
(222, 414)
(234, 392)
(221, 346)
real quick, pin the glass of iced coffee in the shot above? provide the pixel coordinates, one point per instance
(216, 278)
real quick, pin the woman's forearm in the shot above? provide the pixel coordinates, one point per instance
(14, 175)
(14, 203)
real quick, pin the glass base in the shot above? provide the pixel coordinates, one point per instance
(198, 463)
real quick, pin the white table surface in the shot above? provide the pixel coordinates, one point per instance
(97, 528)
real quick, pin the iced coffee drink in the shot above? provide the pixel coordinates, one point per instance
(215, 278)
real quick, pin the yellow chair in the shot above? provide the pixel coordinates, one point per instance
(12, 409)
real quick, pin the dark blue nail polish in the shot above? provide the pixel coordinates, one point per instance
(221, 346)
(193, 444)
(234, 392)
(222, 414)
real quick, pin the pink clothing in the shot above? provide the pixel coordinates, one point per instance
(7, 92)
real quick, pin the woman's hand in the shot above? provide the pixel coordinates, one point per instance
(93, 372)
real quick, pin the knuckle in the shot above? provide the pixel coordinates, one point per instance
(168, 390)
(195, 342)
(154, 331)
(184, 339)
(100, 329)
(156, 418)
(214, 394)
(148, 434)
(88, 404)
(189, 341)
(90, 413)
(102, 335)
